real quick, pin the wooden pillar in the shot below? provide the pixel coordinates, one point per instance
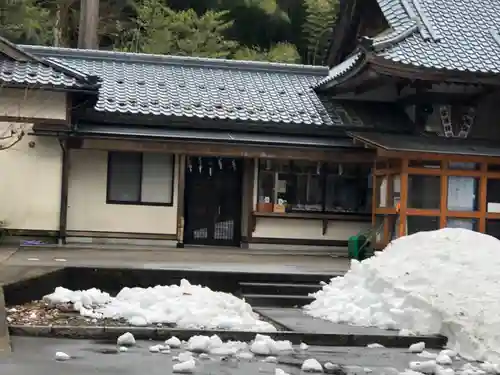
(389, 204)
(248, 191)
(63, 209)
(181, 183)
(443, 213)
(483, 202)
(404, 198)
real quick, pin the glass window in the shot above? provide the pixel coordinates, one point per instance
(314, 187)
(417, 224)
(434, 164)
(463, 193)
(471, 224)
(493, 228)
(136, 178)
(424, 192)
(464, 166)
(493, 195)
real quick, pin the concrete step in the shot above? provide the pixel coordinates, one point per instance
(277, 288)
(273, 300)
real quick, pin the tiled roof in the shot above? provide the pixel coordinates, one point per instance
(35, 73)
(198, 87)
(20, 67)
(339, 70)
(461, 35)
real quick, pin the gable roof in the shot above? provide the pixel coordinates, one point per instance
(18, 67)
(174, 86)
(453, 37)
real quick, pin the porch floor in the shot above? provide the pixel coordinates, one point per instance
(205, 259)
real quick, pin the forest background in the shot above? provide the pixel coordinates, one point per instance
(292, 31)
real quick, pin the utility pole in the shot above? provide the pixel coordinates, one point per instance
(89, 23)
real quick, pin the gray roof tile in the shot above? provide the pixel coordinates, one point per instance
(339, 70)
(198, 87)
(34, 73)
(454, 34)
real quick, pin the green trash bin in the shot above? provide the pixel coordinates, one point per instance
(356, 246)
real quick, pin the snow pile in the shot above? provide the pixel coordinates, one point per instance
(445, 281)
(265, 345)
(185, 305)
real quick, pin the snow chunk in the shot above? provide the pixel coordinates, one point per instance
(311, 365)
(265, 345)
(375, 345)
(426, 367)
(186, 367)
(270, 359)
(426, 354)
(303, 346)
(185, 305)
(61, 356)
(159, 348)
(417, 347)
(279, 371)
(443, 359)
(331, 366)
(244, 355)
(127, 339)
(123, 349)
(445, 371)
(412, 285)
(173, 342)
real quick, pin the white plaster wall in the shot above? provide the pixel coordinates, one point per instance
(87, 208)
(30, 187)
(269, 227)
(33, 103)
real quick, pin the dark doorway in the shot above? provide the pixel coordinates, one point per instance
(213, 201)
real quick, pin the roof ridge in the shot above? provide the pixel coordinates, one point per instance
(133, 57)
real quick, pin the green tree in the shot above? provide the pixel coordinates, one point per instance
(26, 22)
(161, 30)
(317, 28)
(281, 52)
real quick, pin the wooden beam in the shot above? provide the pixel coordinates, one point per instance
(231, 150)
(249, 173)
(411, 155)
(483, 201)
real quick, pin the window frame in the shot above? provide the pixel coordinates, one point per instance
(323, 184)
(141, 179)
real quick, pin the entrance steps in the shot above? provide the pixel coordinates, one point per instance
(280, 293)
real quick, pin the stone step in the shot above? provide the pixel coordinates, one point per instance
(273, 300)
(277, 288)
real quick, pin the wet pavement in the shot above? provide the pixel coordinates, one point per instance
(36, 355)
(295, 320)
(178, 259)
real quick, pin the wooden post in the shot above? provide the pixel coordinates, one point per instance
(483, 201)
(248, 188)
(443, 215)
(89, 24)
(181, 184)
(63, 209)
(404, 198)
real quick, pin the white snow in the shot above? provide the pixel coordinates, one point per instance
(173, 342)
(311, 365)
(426, 354)
(331, 366)
(185, 305)
(426, 367)
(417, 347)
(445, 281)
(61, 356)
(279, 371)
(270, 359)
(303, 346)
(265, 345)
(375, 345)
(443, 359)
(186, 367)
(127, 339)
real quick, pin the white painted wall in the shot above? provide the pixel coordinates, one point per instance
(87, 208)
(30, 185)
